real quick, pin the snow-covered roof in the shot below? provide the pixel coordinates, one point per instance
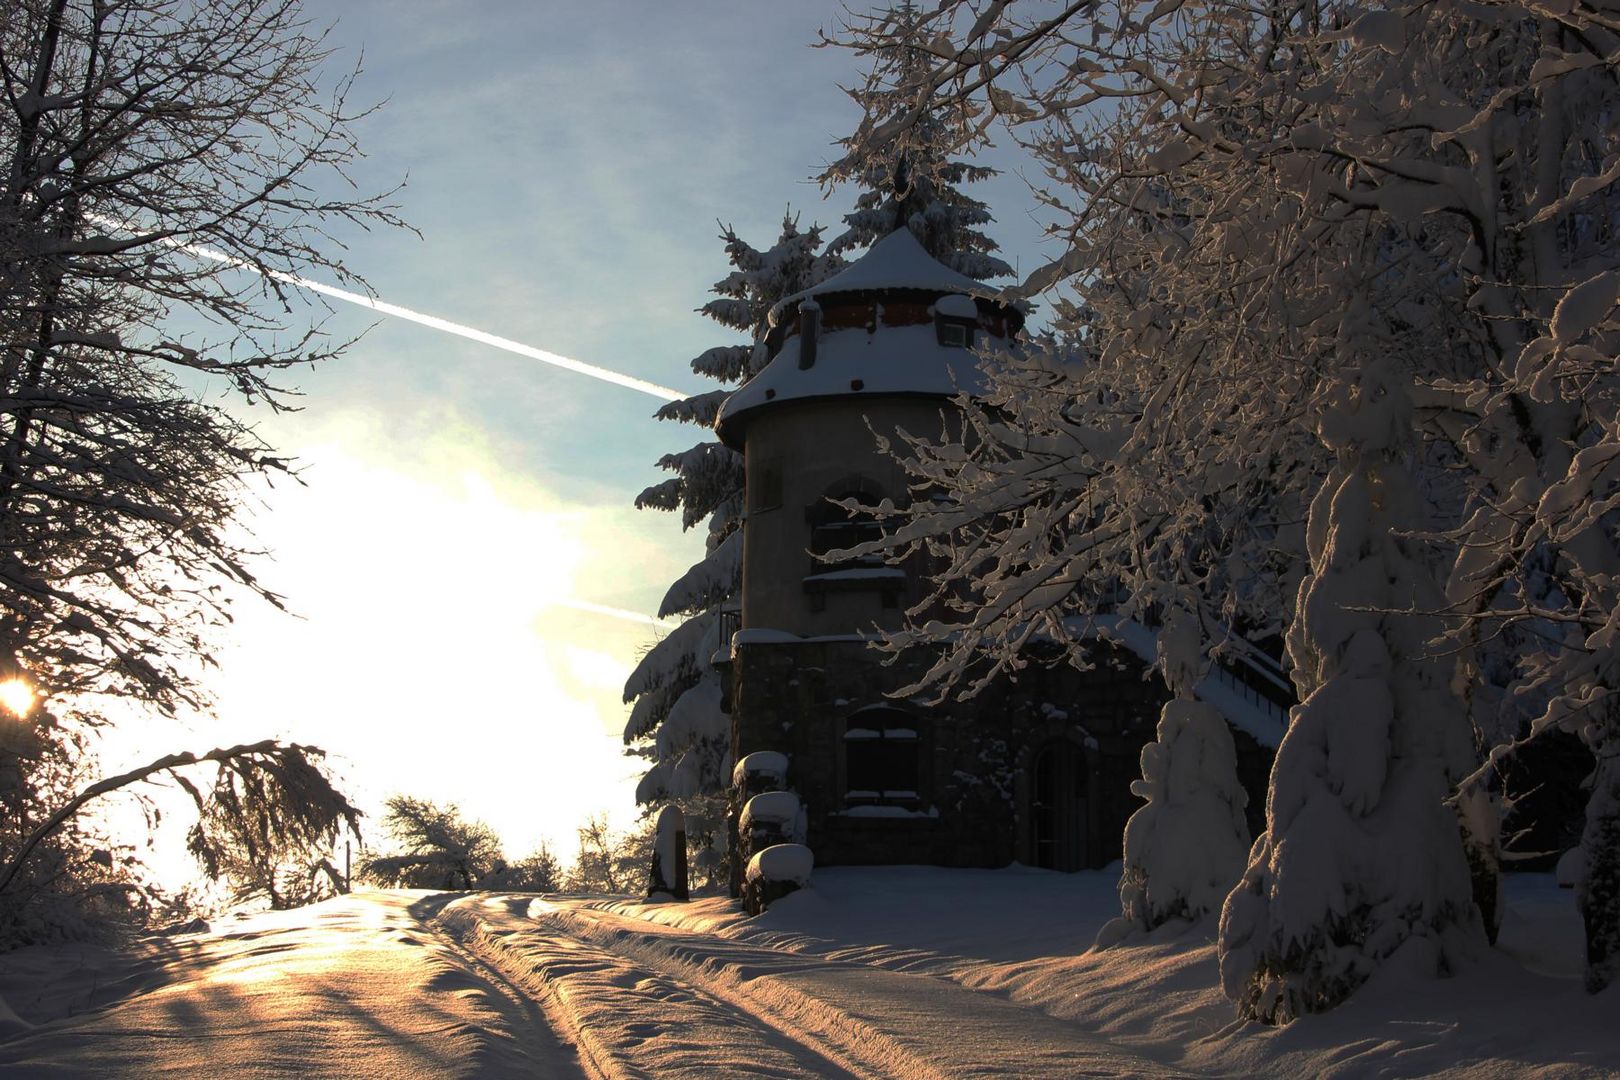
(906, 360)
(897, 261)
(1261, 718)
(850, 362)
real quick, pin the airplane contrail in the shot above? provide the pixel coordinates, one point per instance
(616, 613)
(436, 323)
(545, 356)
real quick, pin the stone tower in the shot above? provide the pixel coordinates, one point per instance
(1036, 771)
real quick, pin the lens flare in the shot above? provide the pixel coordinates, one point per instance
(16, 697)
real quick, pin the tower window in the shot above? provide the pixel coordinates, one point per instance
(837, 528)
(834, 527)
(765, 487)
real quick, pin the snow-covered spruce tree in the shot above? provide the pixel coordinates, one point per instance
(130, 136)
(912, 180)
(1361, 863)
(1287, 158)
(1185, 849)
(676, 718)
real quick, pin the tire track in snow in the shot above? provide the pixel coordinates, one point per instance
(886, 1023)
(536, 1024)
(633, 1021)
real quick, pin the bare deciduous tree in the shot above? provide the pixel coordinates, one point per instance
(133, 135)
(163, 164)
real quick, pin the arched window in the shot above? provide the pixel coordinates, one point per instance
(882, 758)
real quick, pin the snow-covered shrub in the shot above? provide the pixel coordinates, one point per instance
(774, 873)
(763, 770)
(756, 773)
(773, 817)
(1361, 858)
(1185, 849)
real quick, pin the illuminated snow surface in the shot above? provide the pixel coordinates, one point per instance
(895, 973)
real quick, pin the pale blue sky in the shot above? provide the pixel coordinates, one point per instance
(566, 165)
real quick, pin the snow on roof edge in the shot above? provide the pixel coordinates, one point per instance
(898, 261)
(1265, 724)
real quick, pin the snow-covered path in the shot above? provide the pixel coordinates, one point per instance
(898, 973)
(726, 1007)
(360, 986)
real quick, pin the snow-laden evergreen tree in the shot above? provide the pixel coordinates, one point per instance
(912, 180)
(1228, 185)
(1361, 860)
(1185, 849)
(676, 718)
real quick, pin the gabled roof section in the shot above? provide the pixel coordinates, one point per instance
(897, 261)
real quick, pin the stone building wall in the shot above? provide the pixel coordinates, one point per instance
(976, 775)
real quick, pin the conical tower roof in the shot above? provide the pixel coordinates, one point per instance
(898, 261)
(863, 351)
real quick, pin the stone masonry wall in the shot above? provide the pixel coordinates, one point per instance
(975, 775)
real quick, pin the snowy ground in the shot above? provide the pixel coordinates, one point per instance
(904, 972)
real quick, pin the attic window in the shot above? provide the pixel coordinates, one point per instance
(955, 319)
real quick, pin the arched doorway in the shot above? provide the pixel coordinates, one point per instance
(1058, 807)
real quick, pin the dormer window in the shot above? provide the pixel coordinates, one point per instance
(955, 319)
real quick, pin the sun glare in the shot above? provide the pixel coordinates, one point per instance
(16, 697)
